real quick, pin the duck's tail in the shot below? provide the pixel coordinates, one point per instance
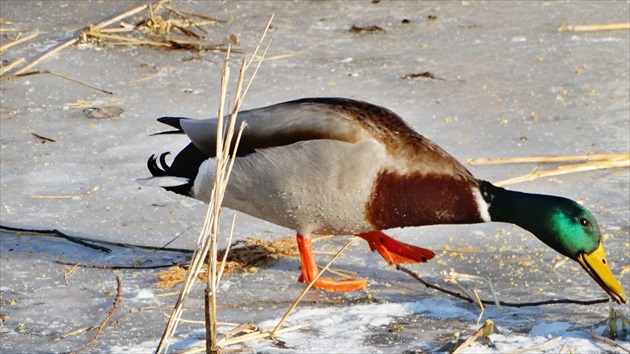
(180, 175)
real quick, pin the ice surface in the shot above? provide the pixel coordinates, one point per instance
(512, 86)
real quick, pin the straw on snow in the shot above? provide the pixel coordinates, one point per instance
(566, 169)
(590, 162)
(553, 158)
(154, 25)
(597, 27)
(17, 41)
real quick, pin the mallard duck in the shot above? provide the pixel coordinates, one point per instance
(346, 167)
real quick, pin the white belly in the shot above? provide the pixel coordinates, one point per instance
(316, 186)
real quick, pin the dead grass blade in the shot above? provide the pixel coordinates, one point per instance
(259, 334)
(83, 195)
(18, 41)
(126, 14)
(107, 318)
(535, 347)
(598, 27)
(12, 65)
(37, 72)
(455, 275)
(607, 341)
(591, 162)
(485, 330)
(566, 169)
(549, 159)
(49, 53)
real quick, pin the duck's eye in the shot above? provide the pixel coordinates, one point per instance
(584, 222)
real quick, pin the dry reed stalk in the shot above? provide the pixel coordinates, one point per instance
(227, 250)
(18, 41)
(206, 238)
(456, 275)
(11, 65)
(49, 53)
(461, 288)
(299, 298)
(140, 42)
(146, 308)
(598, 27)
(80, 104)
(107, 318)
(126, 14)
(209, 20)
(480, 304)
(612, 330)
(559, 264)
(566, 169)
(225, 162)
(263, 334)
(124, 28)
(486, 329)
(38, 72)
(222, 158)
(608, 341)
(563, 346)
(66, 196)
(43, 138)
(183, 23)
(260, 334)
(99, 34)
(202, 322)
(289, 55)
(537, 347)
(544, 159)
(207, 242)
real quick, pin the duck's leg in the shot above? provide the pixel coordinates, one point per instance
(396, 252)
(309, 271)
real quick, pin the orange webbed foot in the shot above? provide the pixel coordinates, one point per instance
(330, 284)
(309, 271)
(396, 252)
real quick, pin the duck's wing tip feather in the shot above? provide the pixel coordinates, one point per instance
(163, 181)
(174, 122)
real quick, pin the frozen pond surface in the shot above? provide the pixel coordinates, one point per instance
(509, 85)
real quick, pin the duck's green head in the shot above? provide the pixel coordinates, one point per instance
(562, 224)
(574, 232)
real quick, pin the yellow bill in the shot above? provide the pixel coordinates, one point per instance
(596, 266)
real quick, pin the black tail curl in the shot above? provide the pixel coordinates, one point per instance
(161, 169)
(186, 165)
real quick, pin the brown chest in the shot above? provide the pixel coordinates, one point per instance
(421, 199)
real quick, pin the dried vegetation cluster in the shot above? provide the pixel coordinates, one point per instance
(249, 253)
(159, 24)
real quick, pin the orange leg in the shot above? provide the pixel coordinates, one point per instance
(395, 252)
(309, 271)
